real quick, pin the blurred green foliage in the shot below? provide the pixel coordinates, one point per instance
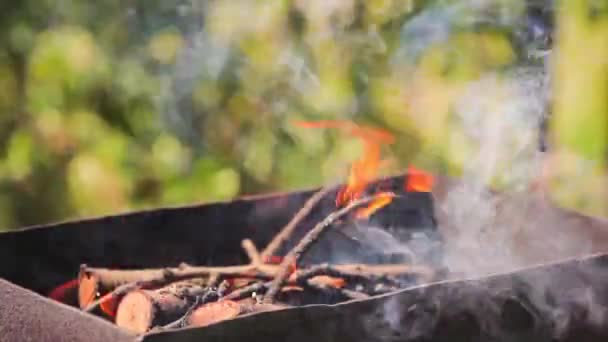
(111, 105)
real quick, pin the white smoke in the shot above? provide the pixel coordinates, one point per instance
(501, 116)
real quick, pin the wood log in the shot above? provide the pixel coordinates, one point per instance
(140, 310)
(93, 282)
(215, 312)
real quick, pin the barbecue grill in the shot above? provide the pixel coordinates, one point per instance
(544, 298)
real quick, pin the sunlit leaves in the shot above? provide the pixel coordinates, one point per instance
(580, 126)
(96, 186)
(20, 155)
(259, 154)
(165, 46)
(8, 91)
(65, 63)
(171, 157)
(128, 105)
(207, 180)
(581, 115)
(67, 54)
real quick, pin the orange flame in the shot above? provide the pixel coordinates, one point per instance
(366, 133)
(418, 180)
(336, 283)
(380, 201)
(361, 173)
(363, 170)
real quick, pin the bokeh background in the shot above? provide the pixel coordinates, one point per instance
(108, 106)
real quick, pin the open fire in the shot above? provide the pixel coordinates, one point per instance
(146, 289)
(187, 295)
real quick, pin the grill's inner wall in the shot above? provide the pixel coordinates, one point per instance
(44, 257)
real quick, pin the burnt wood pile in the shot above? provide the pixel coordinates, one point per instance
(228, 271)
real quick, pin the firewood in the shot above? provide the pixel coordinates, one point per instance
(288, 230)
(116, 283)
(307, 241)
(151, 278)
(215, 312)
(247, 291)
(93, 282)
(140, 310)
(362, 271)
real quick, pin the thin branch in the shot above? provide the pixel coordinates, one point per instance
(246, 291)
(288, 230)
(162, 276)
(362, 271)
(263, 272)
(307, 241)
(117, 293)
(351, 294)
(252, 252)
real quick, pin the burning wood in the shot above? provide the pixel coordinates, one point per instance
(140, 300)
(187, 295)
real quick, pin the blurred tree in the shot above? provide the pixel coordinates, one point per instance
(116, 105)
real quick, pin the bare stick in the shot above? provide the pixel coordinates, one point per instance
(362, 271)
(350, 271)
(252, 252)
(307, 241)
(351, 294)
(246, 291)
(288, 230)
(128, 280)
(159, 277)
(119, 292)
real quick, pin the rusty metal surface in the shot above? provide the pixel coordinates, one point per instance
(26, 316)
(564, 302)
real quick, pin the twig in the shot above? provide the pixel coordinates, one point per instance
(213, 280)
(307, 241)
(349, 271)
(257, 271)
(344, 292)
(118, 292)
(160, 277)
(245, 291)
(252, 252)
(288, 230)
(353, 294)
(362, 271)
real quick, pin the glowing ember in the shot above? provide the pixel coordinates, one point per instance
(336, 283)
(60, 292)
(418, 180)
(108, 305)
(273, 259)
